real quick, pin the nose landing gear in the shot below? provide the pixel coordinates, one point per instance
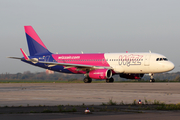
(152, 78)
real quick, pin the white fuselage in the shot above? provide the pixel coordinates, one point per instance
(138, 62)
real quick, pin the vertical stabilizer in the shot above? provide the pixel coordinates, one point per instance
(35, 45)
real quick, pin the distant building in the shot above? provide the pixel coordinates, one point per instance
(49, 72)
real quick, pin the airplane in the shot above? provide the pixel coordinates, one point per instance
(100, 66)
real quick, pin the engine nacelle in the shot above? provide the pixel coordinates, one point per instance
(100, 74)
(131, 76)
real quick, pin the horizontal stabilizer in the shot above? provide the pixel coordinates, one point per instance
(33, 60)
(16, 58)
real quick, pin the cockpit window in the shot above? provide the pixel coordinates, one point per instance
(161, 59)
(165, 59)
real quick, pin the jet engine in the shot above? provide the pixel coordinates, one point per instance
(131, 76)
(100, 74)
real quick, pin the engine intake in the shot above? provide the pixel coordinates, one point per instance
(100, 74)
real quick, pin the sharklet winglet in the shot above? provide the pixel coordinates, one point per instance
(24, 54)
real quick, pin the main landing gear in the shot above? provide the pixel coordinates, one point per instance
(152, 78)
(87, 80)
(110, 80)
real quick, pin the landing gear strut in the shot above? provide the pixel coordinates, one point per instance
(110, 80)
(152, 78)
(87, 80)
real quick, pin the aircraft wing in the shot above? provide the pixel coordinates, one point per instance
(67, 65)
(79, 66)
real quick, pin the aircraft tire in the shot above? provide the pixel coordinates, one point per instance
(86, 80)
(111, 80)
(152, 80)
(89, 80)
(107, 80)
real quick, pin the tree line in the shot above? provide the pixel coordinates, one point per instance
(27, 75)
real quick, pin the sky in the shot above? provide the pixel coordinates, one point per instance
(91, 26)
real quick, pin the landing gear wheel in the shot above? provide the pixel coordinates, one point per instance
(107, 80)
(152, 80)
(110, 80)
(87, 80)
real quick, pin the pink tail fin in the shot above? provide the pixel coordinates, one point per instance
(35, 45)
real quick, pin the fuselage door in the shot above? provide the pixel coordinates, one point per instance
(147, 60)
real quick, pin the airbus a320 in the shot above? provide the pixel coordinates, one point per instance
(94, 66)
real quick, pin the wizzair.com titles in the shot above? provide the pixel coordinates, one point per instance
(69, 57)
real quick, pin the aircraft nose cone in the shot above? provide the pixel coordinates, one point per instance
(170, 66)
